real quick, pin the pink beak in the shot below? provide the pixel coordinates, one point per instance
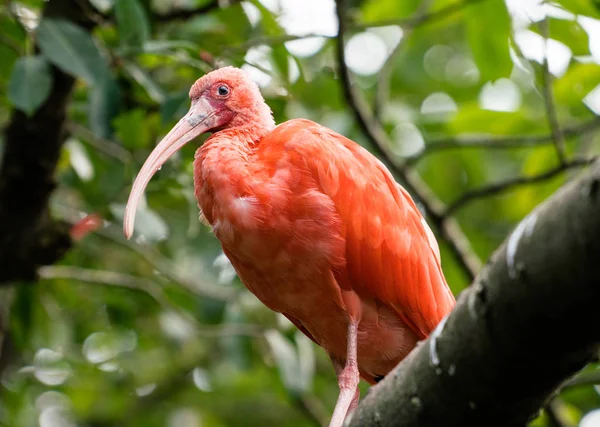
(199, 119)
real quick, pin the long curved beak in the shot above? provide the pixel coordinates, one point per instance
(199, 119)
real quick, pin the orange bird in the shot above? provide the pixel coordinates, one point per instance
(314, 225)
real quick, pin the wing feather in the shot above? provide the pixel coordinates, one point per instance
(391, 254)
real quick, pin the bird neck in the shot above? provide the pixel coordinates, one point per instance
(224, 162)
(242, 137)
(252, 126)
(226, 157)
(224, 169)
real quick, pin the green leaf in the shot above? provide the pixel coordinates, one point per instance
(30, 83)
(306, 361)
(489, 47)
(579, 80)
(470, 118)
(103, 106)
(147, 222)
(132, 129)
(103, 6)
(526, 198)
(79, 159)
(134, 28)
(153, 89)
(71, 49)
(571, 34)
(271, 27)
(581, 7)
(175, 105)
(375, 10)
(13, 41)
(286, 357)
(157, 46)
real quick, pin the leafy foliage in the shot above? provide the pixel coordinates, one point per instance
(158, 331)
(30, 83)
(134, 28)
(72, 49)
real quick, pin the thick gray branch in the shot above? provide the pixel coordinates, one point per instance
(526, 324)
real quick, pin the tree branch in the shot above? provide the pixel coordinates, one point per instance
(152, 289)
(557, 135)
(583, 379)
(196, 286)
(525, 316)
(407, 24)
(107, 278)
(164, 265)
(385, 74)
(516, 141)
(501, 187)
(11, 44)
(552, 411)
(419, 18)
(106, 146)
(7, 294)
(270, 41)
(449, 231)
(30, 237)
(312, 408)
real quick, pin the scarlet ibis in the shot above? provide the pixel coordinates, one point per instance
(314, 225)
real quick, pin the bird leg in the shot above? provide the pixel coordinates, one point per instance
(348, 378)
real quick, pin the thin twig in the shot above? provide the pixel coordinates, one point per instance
(407, 24)
(92, 13)
(450, 232)
(385, 74)
(506, 185)
(7, 349)
(515, 141)
(384, 80)
(104, 277)
(270, 41)
(370, 127)
(230, 329)
(419, 19)
(583, 379)
(312, 408)
(165, 267)
(152, 289)
(557, 135)
(156, 260)
(12, 14)
(11, 44)
(110, 148)
(553, 413)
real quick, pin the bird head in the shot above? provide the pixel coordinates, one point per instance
(222, 99)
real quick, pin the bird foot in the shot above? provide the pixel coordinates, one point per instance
(348, 398)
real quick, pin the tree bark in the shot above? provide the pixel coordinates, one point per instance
(528, 322)
(30, 237)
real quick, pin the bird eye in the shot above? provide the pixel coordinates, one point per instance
(223, 90)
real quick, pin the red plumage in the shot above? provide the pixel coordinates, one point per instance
(314, 225)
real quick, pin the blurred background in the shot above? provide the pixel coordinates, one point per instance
(493, 104)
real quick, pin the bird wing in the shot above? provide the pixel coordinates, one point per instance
(301, 327)
(391, 254)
